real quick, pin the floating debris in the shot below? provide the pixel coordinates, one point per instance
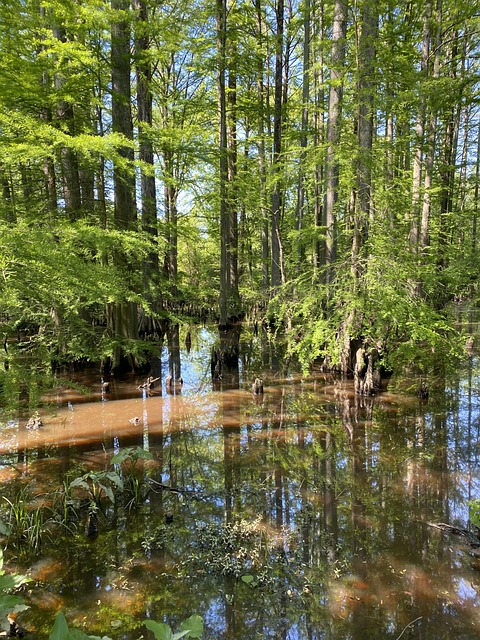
(34, 423)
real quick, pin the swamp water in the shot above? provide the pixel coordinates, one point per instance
(302, 513)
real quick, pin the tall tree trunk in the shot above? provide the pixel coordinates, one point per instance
(449, 154)
(68, 158)
(476, 198)
(48, 167)
(333, 136)
(276, 247)
(420, 133)
(233, 200)
(366, 62)
(261, 97)
(318, 126)
(122, 316)
(430, 140)
(221, 17)
(301, 191)
(147, 177)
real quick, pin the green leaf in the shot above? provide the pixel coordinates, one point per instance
(114, 478)
(161, 631)
(122, 455)
(247, 579)
(80, 482)
(7, 583)
(108, 491)
(60, 629)
(193, 626)
(9, 603)
(76, 634)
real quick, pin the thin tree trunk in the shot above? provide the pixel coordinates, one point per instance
(333, 136)
(476, 197)
(301, 192)
(146, 154)
(366, 59)
(223, 163)
(430, 154)
(261, 96)
(419, 135)
(319, 127)
(48, 167)
(276, 268)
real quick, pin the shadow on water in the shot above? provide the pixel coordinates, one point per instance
(298, 512)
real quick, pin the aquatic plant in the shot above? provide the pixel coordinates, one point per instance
(98, 484)
(61, 631)
(10, 603)
(190, 628)
(134, 483)
(24, 527)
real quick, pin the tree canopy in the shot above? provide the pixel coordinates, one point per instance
(312, 164)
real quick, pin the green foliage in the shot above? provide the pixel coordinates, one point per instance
(10, 603)
(56, 280)
(474, 512)
(190, 628)
(61, 631)
(24, 525)
(134, 483)
(98, 484)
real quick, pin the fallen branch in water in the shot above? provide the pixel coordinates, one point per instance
(165, 487)
(149, 384)
(409, 625)
(469, 536)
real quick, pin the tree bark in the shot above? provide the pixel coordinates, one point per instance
(221, 17)
(301, 195)
(261, 97)
(365, 87)
(146, 154)
(333, 137)
(419, 134)
(276, 198)
(233, 200)
(123, 321)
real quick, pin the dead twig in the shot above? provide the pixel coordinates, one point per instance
(409, 625)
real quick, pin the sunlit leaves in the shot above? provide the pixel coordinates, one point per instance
(190, 628)
(61, 631)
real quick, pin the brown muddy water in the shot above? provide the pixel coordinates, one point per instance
(303, 513)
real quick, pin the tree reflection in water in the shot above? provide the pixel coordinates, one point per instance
(300, 513)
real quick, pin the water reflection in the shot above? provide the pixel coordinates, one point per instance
(305, 512)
